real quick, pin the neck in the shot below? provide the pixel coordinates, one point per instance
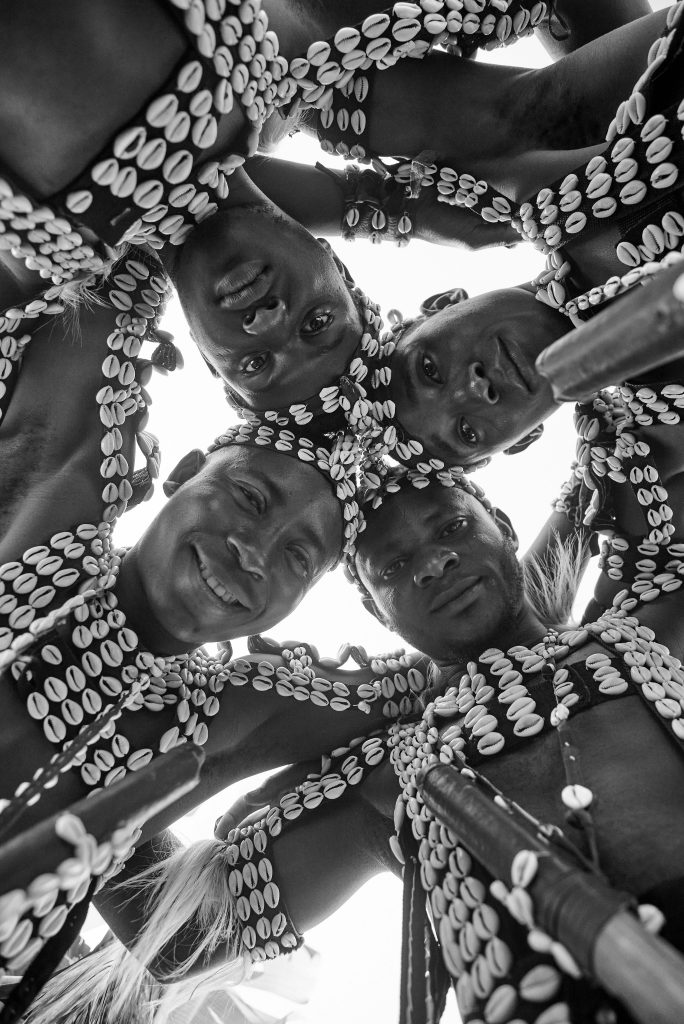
(524, 628)
(527, 628)
(132, 599)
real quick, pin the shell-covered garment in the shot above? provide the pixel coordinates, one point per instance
(503, 967)
(153, 183)
(636, 186)
(345, 65)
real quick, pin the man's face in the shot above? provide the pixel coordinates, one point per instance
(237, 547)
(441, 572)
(267, 306)
(464, 380)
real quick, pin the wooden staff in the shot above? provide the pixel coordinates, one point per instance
(134, 799)
(576, 908)
(638, 332)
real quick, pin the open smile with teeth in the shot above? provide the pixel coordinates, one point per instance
(218, 588)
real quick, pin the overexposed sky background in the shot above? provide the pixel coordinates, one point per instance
(360, 944)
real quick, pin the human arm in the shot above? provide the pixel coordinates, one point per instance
(294, 871)
(260, 729)
(515, 127)
(573, 23)
(320, 197)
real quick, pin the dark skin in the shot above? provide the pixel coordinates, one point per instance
(471, 364)
(636, 776)
(438, 566)
(232, 552)
(464, 379)
(80, 53)
(623, 754)
(266, 304)
(50, 467)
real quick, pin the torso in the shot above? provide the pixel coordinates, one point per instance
(635, 771)
(92, 67)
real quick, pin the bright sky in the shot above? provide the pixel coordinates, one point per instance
(360, 944)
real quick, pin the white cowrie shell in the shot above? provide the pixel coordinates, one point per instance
(633, 192)
(664, 175)
(162, 110)
(576, 797)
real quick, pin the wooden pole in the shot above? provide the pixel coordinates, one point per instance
(576, 908)
(136, 798)
(638, 332)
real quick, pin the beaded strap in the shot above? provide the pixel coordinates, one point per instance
(137, 293)
(14, 338)
(151, 186)
(403, 30)
(398, 679)
(640, 169)
(265, 926)
(610, 452)
(80, 666)
(374, 206)
(30, 917)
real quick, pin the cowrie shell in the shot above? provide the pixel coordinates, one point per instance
(540, 984)
(664, 175)
(78, 202)
(190, 76)
(628, 254)
(576, 797)
(575, 222)
(105, 172)
(633, 192)
(128, 143)
(162, 110)
(124, 183)
(654, 127)
(659, 150)
(501, 1005)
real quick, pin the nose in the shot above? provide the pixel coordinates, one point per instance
(266, 318)
(434, 565)
(480, 385)
(248, 555)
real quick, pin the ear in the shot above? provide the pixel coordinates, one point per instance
(372, 609)
(341, 267)
(506, 526)
(188, 467)
(526, 441)
(441, 300)
(212, 369)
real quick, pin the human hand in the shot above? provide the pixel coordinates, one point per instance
(441, 223)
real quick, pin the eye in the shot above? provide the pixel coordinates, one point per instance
(302, 561)
(467, 434)
(393, 568)
(318, 322)
(429, 368)
(454, 526)
(254, 497)
(255, 364)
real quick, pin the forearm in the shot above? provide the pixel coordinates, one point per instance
(307, 194)
(577, 22)
(123, 912)
(577, 96)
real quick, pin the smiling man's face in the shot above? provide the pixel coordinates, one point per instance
(441, 571)
(237, 546)
(267, 306)
(464, 381)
